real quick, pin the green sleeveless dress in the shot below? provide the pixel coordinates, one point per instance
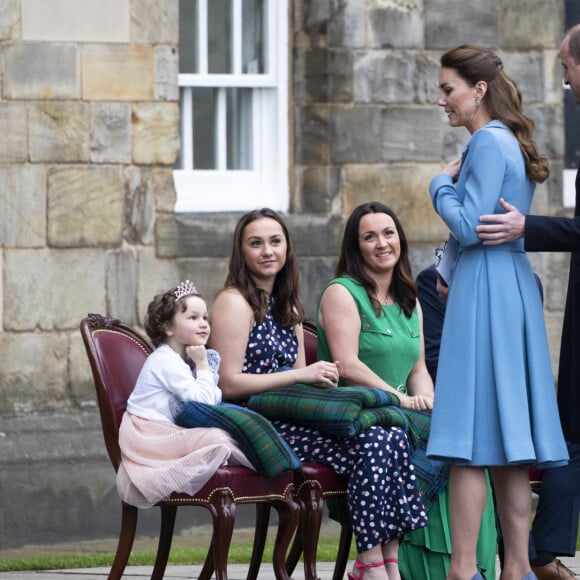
(390, 345)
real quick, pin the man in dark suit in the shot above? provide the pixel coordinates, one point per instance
(555, 525)
(433, 307)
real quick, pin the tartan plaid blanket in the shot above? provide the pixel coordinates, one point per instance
(255, 435)
(432, 477)
(343, 411)
(347, 411)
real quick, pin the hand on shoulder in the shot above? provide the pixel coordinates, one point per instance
(502, 227)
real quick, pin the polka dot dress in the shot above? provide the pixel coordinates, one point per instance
(383, 494)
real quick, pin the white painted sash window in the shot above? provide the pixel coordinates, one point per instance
(571, 121)
(233, 84)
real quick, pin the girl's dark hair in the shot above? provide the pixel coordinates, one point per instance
(286, 307)
(351, 262)
(502, 99)
(160, 313)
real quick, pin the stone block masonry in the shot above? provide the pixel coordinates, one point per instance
(89, 126)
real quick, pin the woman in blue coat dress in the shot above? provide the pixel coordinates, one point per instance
(495, 403)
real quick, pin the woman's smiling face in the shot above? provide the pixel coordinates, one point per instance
(379, 242)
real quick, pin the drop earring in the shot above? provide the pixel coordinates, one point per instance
(477, 102)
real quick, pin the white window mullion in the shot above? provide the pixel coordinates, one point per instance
(257, 106)
(237, 36)
(202, 52)
(187, 128)
(221, 142)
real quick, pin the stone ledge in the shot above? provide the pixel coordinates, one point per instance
(210, 235)
(37, 438)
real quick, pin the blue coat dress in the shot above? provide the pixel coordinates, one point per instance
(495, 399)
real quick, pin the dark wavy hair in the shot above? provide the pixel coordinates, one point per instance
(160, 313)
(286, 307)
(502, 99)
(351, 262)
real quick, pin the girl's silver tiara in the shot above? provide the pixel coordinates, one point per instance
(183, 289)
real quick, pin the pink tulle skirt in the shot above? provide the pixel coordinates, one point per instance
(159, 458)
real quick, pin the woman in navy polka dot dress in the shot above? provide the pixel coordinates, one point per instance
(256, 328)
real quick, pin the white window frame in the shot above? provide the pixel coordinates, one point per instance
(267, 183)
(569, 188)
(568, 175)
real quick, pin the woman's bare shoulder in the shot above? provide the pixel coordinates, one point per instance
(227, 294)
(230, 298)
(337, 293)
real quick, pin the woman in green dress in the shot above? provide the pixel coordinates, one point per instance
(370, 321)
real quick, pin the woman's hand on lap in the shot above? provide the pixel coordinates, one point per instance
(416, 402)
(322, 374)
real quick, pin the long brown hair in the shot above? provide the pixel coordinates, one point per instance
(502, 99)
(351, 262)
(286, 307)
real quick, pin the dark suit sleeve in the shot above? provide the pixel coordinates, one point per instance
(552, 234)
(433, 313)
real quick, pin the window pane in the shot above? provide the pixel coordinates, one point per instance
(239, 129)
(181, 162)
(219, 15)
(204, 128)
(187, 36)
(253, 41)
(236, 139)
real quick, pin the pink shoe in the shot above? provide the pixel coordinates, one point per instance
(363, 566)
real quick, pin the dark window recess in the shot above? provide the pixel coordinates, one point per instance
(572, 131)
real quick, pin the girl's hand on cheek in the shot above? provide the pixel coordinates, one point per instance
(198, 354)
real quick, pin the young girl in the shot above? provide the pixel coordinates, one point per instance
(180, 368)
(158, 456)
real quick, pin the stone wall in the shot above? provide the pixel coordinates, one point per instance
(366, 123)
(89, 124)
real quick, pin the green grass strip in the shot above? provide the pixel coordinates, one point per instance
(239, 554)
